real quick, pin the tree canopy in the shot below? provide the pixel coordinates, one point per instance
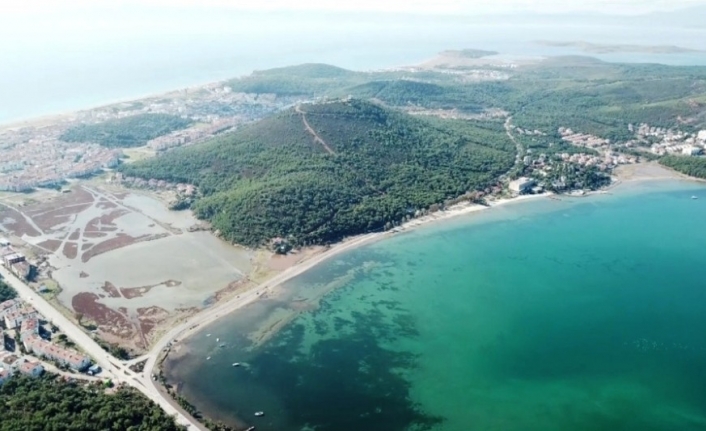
(692, 166)
(6, 292)
(274, 179)
(49, 403)
(133, 131)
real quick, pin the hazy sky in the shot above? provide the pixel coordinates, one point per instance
(414, 6)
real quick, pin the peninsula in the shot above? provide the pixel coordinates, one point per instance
(214, 196)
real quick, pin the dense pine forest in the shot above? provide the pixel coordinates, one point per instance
(126, 132)
(273, 179)
(367, 164)
(49, 403)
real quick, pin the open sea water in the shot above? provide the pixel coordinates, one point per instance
(571, 314)
(57, 62)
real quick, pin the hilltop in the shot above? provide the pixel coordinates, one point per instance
(319, 172)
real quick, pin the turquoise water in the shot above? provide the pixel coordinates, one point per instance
(578, 314)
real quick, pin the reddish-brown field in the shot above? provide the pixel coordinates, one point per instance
(50, 245)
(70, 250)
(121, 240)
(16, 223)
(111, 290)
(106, 319)
(46, 220)
(75, 235)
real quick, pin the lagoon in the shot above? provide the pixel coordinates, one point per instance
(578, 313)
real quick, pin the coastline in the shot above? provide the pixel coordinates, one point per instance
(194, 324)
(638, 173)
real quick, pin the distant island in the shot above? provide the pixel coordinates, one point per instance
(468, 53)
(600, 48)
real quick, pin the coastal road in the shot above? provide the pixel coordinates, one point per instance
(110, 365)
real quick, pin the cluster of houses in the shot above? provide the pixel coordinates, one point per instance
(24, 366)
(14, 261)
(24, 320)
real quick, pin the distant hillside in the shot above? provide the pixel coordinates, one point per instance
(359, 168)
(126, 132)
(304, 79)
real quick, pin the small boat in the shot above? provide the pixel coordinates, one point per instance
(222, 345)
(208, 335)
(236, 364)
(208, 358)
(694, 197)
(218, 339)
(259, 414)
(250, 429)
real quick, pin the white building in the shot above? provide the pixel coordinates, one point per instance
(522, 185)
(691, 150)
(701, 136)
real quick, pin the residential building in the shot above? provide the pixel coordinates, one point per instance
(30, 368)
(701, 135)
(5, 375)
(21, 269)
(13, 258)
(4, 242)
(14, 319)
(690, 150)
(29, 327)
(70, 358)
(9, 305)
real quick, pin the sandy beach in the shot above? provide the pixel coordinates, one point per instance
(626, 173)
(197, 321)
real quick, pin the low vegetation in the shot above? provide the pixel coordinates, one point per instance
(49, 403)
(126, 132)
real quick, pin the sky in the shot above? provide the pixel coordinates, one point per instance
(465, 7)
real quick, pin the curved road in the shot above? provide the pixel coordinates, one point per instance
(113, 368)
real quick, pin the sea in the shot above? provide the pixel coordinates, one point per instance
(69, 60)
(554, 314)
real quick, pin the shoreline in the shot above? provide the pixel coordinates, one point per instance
(194, 324)
(161, 349)
(642, 172)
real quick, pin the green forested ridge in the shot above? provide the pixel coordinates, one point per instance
(6, 292)
(692, 166)
(133, 131)
(273, 179)
(49, 403)
(582, 93)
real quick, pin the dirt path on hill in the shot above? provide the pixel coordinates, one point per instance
(313, 133)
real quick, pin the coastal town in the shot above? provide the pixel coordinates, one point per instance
(35, 155)
(30, 344)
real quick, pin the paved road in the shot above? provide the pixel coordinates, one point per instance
(112, 367)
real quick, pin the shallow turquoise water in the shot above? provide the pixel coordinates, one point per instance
(579, 314)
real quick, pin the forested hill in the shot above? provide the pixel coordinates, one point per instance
(356, 168)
